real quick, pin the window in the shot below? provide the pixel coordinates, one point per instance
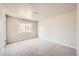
(22, 27)
(28, 27)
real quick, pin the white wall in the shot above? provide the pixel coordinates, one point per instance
(77, 32)
(16, 10)
(2, 29)
(12, 25)
(60, 29)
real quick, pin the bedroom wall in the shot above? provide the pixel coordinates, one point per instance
(14, 33)
(60, 29)
(77, 32)
(2, 29)
(18, 10)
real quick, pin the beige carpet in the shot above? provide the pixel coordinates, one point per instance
(37, 47)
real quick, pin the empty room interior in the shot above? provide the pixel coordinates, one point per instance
(39, 29)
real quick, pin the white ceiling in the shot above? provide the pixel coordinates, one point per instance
(49, 10)
(44, 10)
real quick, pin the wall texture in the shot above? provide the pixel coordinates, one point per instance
(16, 10)
(2, 29)
(60, 29)
(77, 32)
(13, 33)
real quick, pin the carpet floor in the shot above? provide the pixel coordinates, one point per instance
(37, 47)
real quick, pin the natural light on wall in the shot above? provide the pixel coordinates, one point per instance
(25, 12)
(22, 27)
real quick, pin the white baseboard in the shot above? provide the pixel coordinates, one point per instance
(63, 44)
